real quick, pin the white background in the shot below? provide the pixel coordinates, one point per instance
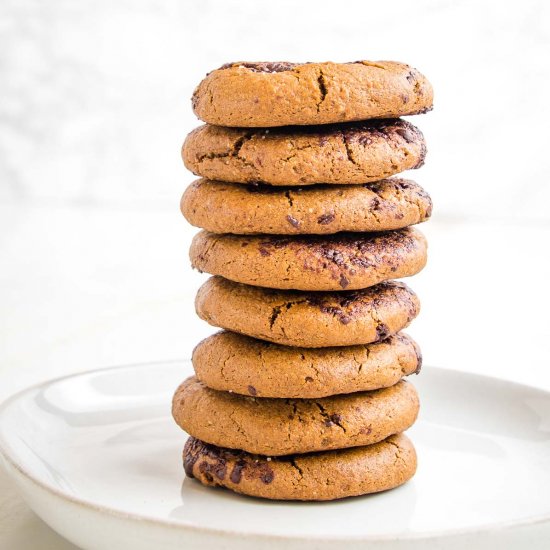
(94, 105)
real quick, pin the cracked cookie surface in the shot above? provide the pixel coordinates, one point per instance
(277, 427)
(223, 207)
(227, 361)
(320, 476)
(353, 153)
(330, 262)
(308, 319)
(281, 94)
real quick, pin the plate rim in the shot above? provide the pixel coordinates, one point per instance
(182, 525)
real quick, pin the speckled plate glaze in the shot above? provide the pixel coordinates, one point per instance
(97, 457)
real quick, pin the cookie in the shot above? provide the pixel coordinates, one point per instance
(329, 262)
(308, 319)
(277, 427)
(359, 152)
(223, 207)
(326, 475)
(227, 361)
(282, 94)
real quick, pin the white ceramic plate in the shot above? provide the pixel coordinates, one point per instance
(97, 456)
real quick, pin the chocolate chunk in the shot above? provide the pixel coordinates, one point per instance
(344, 282)
(361, 262)
(423, 152)
(429, 210)
(423, 111)
(382, 331)
(264, 67)
(214, 463)
(217, 468)
(333, 255)
(406, 134)
(333, 420)
(293, 221)
(236, 473)
(325, 219)
(267, 476)
(364, 140)
(190, 456)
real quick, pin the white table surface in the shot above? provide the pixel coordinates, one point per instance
(83, 288)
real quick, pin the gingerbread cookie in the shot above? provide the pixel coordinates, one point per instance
(308, 319)
(227, 361)
(330, 262)
(360, 152)
(277, 427)
(223, 207)
(326, 475)
(282, 94)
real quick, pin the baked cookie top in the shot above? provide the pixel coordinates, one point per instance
(308, 319)
(277, 427)
(315, 262)
(227, 361)
(252, 94)
(359, 152)
(317, 476)
(223, 207)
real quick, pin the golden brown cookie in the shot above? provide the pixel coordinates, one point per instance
(223, 207)
(359, 152)
(327, 475)
(308, 319)
(227, 361)
(292, 426)
(282, 94)
(329, 262)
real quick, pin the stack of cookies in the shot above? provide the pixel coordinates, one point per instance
(302, 396)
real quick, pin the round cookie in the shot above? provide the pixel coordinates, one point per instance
(277, 427)
(308, 319)
(359, 152)
(330, 262)
(223, 207)
(326, 475)
(231, 362)
(282, 94)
